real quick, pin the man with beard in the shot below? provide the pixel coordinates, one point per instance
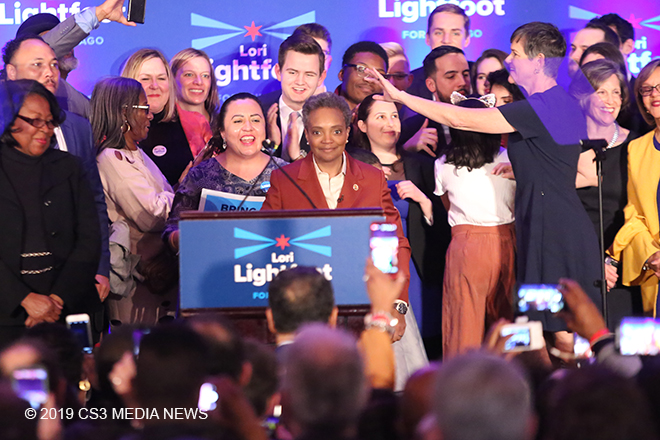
(67, 96)
(63, 37)
(447, 71)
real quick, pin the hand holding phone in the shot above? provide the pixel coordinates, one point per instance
(581, 314)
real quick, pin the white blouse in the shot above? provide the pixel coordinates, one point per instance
(477, 197)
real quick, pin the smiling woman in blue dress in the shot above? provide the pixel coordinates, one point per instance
(555, 237)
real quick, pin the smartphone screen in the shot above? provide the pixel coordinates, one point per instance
(208, 397)
(639, 336)
(521, 337)
(137, 338)
(31, 384)
(384, 245)
(82, 331)
(540, 297)
(581, 347)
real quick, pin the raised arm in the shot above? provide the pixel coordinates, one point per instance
(488, 120)
(67, 35)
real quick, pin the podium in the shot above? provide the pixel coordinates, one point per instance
(227, 260)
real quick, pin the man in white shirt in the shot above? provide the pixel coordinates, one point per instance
(322, 36)
(300, 69)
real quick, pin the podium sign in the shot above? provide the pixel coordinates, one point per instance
(227, 260)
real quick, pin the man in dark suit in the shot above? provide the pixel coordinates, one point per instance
(328, 178)
(31, 58)
(300, 69)
(448, 25)
(298, 296)
(446, 71)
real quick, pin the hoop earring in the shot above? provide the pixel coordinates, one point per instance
(125, 127)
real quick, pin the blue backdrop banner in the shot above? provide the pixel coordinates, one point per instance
(243, 37)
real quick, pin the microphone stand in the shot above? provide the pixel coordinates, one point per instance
(270, 151)
(599, 146)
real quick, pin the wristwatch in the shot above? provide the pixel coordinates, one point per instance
(401, 306)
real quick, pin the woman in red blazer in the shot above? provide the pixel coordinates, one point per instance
(332, 179)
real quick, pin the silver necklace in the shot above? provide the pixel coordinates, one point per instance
(615, 137)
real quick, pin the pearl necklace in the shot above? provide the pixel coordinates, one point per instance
(615, 137)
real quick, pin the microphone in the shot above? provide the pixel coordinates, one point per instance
(265, 147)
(340, 199)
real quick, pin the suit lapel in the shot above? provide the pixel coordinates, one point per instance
(353, 186)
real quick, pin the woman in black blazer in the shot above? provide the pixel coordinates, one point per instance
(50, 241)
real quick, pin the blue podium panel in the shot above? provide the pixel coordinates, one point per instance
(229, 262)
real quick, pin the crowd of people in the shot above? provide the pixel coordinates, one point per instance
(480, 165)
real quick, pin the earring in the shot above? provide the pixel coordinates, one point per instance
(224, 144)
(125, 126)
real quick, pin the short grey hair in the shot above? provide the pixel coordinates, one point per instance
(324, 379)
(482, 397)
(326, 100)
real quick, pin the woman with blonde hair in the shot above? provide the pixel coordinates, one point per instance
(196, 86)
(177, 136)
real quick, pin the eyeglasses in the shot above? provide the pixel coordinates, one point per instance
(648, 90)
(142, 107)
(362, 70)
(398, 76)
(38, 123)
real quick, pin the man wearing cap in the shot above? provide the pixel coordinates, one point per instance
(64, 37)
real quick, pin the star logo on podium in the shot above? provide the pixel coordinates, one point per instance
(282, 241)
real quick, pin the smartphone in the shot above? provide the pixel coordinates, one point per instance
(540, 297)
(137, 338)
(384, 245)
(525, 337)
(79, 325)
(31, 384)
(208, 397)
(638, 336)
(581, 347)
(136, 10)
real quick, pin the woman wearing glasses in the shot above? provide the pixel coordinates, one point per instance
(139, 200)
(51, 243)
(637, 241)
